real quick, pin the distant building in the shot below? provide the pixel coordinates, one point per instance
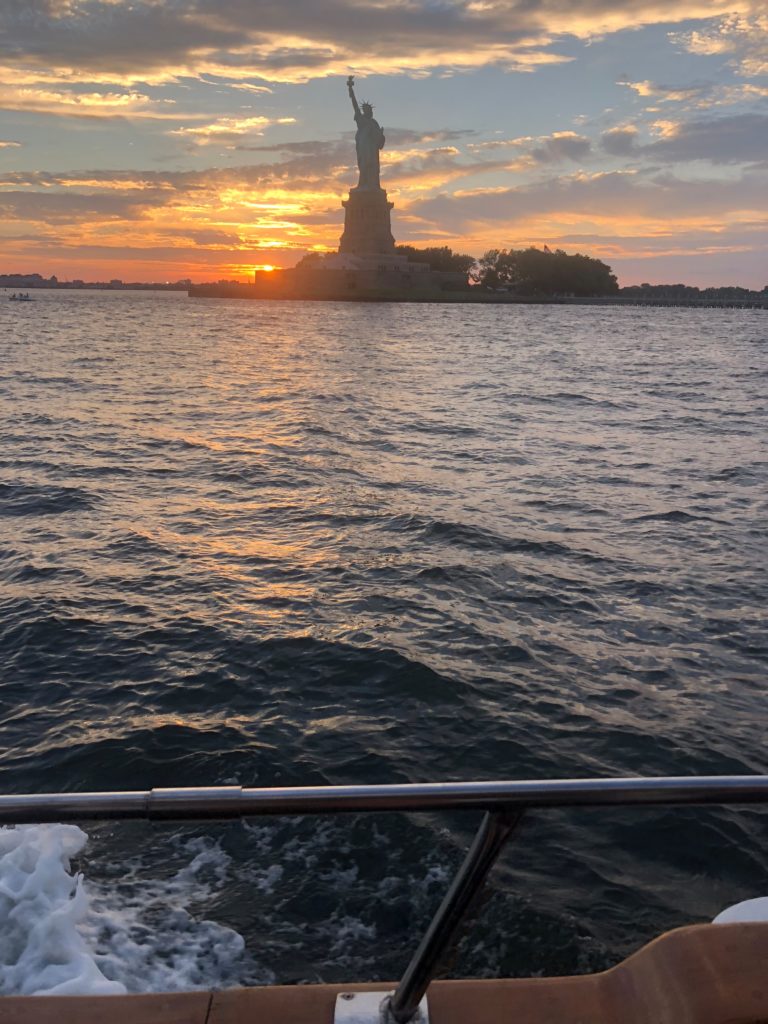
(25, 281)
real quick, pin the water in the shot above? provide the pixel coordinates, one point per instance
(280, 543)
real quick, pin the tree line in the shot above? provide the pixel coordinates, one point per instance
(545, 272)
(527, 272)
(688, 291)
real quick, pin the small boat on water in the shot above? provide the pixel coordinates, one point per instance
(702, 974)
(21, 297)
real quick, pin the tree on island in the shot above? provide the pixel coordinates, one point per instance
(438, 258)
(311, 261)
(725, 293)
(543, 272)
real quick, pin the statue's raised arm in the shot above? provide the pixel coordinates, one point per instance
(369, 139)
(351, 88)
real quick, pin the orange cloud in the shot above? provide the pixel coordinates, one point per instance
(230, 128)
(83, 104)
(743, 35)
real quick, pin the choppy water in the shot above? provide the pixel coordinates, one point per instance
(315, 543)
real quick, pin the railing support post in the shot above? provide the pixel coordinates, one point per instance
(495, 829)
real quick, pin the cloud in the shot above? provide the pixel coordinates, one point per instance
(304, 147)
(739, 138)
(732, 139)
(561, 146)
(620, 141)
(238, 40)
(667, 93)
(70, 103)
(249, 87)
(741, 238)
(541, 149)
(405, 136)
(725, 95)
(210, 237)
(417, 170)
(605, 199)
(293, 174)
(698, 95)
(743, 37)
(230, 128)
(69, 207)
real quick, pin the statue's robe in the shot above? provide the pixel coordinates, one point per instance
(369, 139)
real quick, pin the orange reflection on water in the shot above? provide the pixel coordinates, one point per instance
(239, 546)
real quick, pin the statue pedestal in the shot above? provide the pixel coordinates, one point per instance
(367, 227)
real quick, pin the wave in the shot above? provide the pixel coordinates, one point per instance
(41, 906)
(62, 936)
(481, 538)
(404, 557)
(675, 515)
(40, 500)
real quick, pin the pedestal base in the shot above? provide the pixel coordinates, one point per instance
(367, 227)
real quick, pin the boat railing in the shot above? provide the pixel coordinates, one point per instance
(503, 803)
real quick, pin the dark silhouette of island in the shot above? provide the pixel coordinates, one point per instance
(500, 275)
(687, 291)
(438, 274)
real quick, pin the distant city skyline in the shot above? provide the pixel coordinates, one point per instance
(203, 139)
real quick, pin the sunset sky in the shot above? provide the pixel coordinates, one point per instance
(163, 139)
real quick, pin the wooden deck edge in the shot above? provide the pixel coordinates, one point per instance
(702, 974)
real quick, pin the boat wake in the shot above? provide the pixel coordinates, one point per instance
(59, 936)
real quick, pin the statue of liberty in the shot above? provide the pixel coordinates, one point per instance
(369, 139)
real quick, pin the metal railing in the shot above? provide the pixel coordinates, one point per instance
(504, 804)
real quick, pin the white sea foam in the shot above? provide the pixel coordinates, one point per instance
(42, 905)
(58, 936)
